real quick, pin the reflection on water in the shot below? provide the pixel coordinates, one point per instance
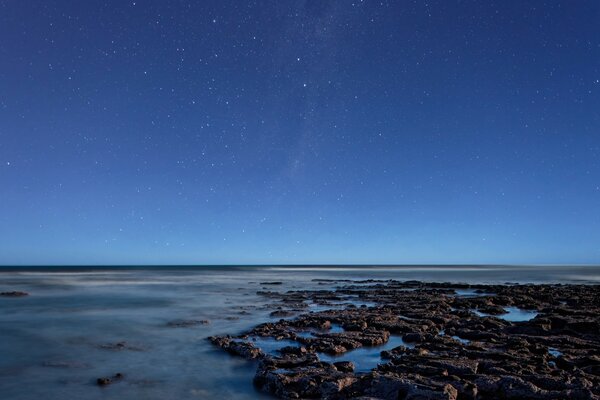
(513, 314)
(310, 333)
(470, 293)
(366, 358)
(555, 352)
(339, 304)
(463, 341)
(51, 341)
(271, 346)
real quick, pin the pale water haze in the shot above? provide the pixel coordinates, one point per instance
(52, 340)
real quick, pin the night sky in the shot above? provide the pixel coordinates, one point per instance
(219, 132)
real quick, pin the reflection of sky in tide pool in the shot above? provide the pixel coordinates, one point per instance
(367, 357)
(364, 358)
(464, 341)
(335, 328)
(514, 314)
(336, 304)
(470, 293)
(554, 352)
(270, 345)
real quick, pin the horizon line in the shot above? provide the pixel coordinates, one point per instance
(310, 265)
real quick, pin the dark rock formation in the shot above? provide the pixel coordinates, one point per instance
(237, 347)
(14, 294)
(450, 351)
(105, 381)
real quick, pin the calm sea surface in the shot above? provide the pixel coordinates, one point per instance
(51, 341)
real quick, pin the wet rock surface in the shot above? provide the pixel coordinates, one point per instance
(460, 341)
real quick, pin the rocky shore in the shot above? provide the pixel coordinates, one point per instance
(449, 342)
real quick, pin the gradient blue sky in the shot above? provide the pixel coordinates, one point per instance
(315, 131)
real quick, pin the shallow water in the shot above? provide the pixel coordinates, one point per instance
(51, 341)
(513, 314)
(338, 304)
(554, 352)
(271, 346)
(463, 341)
(310, 333)
(367, 357)
(470, 293)
(517, 314)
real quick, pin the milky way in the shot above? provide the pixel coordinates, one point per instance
(273, 132)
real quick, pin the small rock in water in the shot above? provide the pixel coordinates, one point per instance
(187, 323)
(120, 346)
(236, 347)
(104, 381)
(14, 294)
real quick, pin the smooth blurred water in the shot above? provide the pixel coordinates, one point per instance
(515, 314)
(50, 341)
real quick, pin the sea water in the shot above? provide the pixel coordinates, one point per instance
(53, 342)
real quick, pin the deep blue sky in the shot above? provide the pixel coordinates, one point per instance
(299, 132)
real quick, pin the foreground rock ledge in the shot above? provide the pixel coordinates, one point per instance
(458, 345)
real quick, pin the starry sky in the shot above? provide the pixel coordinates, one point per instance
(315, 131)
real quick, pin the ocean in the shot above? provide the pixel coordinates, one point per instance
(57, 341)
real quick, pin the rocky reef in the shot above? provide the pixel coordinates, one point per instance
(450, 342)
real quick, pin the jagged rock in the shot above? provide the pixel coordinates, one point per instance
(240, 348)
(344, 366)
(450, 351)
